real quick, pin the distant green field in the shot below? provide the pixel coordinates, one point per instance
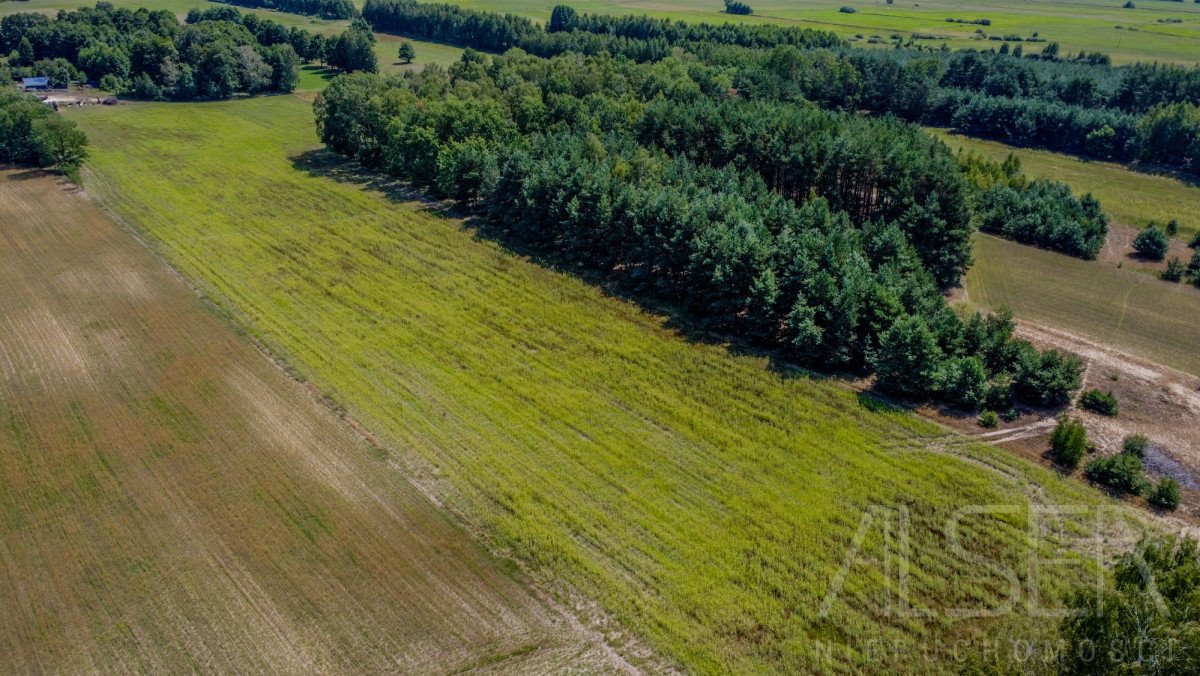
(1129, 310)
(1129, 197)
(1089, 25)
(704, 500)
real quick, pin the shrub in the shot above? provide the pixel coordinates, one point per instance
(1195, 243)
(1173, 227)
(1165, 494)
(1045, 379)
(1104, 403)
(1151, 243)
(1136, 444)
(1010, 415)
(1068, 441)
(989, 419)
(1174, 271)
(1193, 267)
(1121, 473)
(847, 10)
(1129, 5)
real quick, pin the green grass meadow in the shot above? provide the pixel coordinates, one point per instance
(704, 500)
(1089, 25)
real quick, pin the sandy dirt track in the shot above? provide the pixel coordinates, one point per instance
(172, 501)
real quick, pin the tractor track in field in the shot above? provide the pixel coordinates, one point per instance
(171, 498)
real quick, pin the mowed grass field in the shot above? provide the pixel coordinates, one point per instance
(1129, 197)
(704, 501)
(171, 501)
(1124, 308)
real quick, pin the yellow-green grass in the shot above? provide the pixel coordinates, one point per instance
(1089, 25)
(704, 500)
(1129, 197)
(171, 501)
(1124, 308)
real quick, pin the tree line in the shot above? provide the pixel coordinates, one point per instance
(149, 53)
(31, 134)
(1079, 105)
(324, 9)
(580, 158)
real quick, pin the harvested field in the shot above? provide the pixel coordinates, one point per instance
(1124, 308)
(170, 500)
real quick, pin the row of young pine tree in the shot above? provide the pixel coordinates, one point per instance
(1082, 106)
(598, 162)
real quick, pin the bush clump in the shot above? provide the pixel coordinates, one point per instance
(735, 7)
(1122, 473)
(1069, 441)
(1174, 271)
(989, 419)
(1165, 494)
(1151, 243)
(1104, 403)
(1136, 445)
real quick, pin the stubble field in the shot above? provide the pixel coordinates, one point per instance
(171, 501)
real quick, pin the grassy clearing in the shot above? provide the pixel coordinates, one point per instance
(171, 501)
(1130, 197)
(1124, 308)
(705, 501)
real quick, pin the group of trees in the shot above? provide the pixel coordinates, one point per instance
(216, 53)
(325, 9)
(1144, 620)
(1080, 105)
(737, 7)
(823, 235)
(1041, 212)
(31, 134)
(149, 53)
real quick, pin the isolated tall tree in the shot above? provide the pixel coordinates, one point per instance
(406, 52)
